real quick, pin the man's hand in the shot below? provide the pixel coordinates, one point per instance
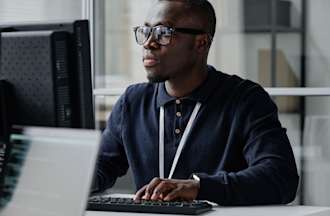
(169, 189)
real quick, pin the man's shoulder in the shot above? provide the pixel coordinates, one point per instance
(140, 90)
(236, 84)
(245, 91)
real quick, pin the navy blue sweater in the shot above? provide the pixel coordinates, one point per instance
(237, 145)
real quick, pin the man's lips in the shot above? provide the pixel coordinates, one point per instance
(150, 61)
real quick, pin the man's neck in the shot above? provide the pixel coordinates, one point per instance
(183, 86)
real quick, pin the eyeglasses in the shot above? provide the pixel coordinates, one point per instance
(162, 34)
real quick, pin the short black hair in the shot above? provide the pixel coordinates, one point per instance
(203, 8)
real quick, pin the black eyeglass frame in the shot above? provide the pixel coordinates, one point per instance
(172, 30)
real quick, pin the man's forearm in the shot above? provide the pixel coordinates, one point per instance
(253, 186)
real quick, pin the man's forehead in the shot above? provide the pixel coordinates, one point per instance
(165, 13)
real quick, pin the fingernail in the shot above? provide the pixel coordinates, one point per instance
(156, 196)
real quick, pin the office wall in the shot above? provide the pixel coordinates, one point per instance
(317, 151)
(318, 51)
(318, 43)
(39, 10)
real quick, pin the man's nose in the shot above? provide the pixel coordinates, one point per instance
(151, 43)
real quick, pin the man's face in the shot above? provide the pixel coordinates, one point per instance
(166, 62)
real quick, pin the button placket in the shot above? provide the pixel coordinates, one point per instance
(178, 118)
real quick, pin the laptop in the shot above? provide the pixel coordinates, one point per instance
(49, 172)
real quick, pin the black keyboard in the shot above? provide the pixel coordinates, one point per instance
(106, 203)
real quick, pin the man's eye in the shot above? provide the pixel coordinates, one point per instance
(166, 33)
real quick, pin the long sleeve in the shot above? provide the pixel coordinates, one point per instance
(271, 176)
(112, 160)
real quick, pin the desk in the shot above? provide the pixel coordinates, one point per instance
(274, 210)
(241, 211)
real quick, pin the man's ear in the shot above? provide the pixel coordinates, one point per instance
(202, 42)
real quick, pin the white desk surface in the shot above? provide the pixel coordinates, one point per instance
(241, 211)
(274, 210)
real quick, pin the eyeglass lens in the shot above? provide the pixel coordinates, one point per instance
(161, 34)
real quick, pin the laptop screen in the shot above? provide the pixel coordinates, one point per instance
(49, 172)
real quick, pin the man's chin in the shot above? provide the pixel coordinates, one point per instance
(155, 78)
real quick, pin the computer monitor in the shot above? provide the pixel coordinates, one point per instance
(45, 77)
(49, 68)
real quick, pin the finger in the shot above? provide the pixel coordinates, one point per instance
(140, 193)
(150, 188)
(173, 195)
(162, 189)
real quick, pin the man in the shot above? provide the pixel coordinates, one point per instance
(192, 132)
